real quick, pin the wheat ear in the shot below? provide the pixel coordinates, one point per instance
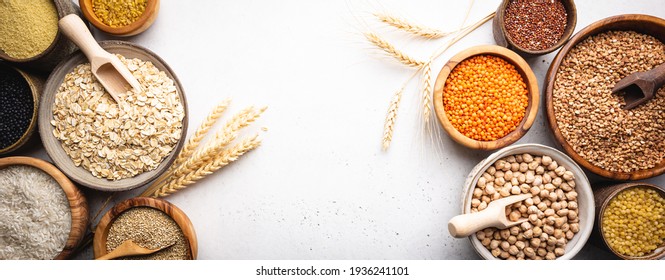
(392, 51)
(230, 155)
(211, 149)
(427, 91)
(391, 117)
(201, 131)
(416, 29)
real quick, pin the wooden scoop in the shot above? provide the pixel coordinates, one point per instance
(129, 248)
(493, 216)
(640, 87)
(107, 68)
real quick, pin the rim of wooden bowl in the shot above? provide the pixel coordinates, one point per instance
(62, 9)
(642, 23)
(36, 85)
(527, 75)
(608, 194)
(134, 28)
(52, 145)
(102, 230)
(583, 188)
(78, 205)
(503, 37)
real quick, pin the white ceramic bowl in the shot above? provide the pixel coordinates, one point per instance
(585, 198)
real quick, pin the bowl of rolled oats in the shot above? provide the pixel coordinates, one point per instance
(557, 219)
(113, 146)
(587, 119)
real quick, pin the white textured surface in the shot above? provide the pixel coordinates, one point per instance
(320, 187)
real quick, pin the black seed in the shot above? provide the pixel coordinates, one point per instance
(16, 106)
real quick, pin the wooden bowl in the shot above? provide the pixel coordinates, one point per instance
(585, 198)
(102, 230)
(134, 28)
(36, 84)
(77, 202)
(60, 48)
(640, 23)
(52, 145)
(527, 75)
(602, 197)
(502, 38)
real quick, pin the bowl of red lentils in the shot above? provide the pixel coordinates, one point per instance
(587, 119)
(486, 97)
(558, 217)
(534, 27)
(630, 220)
(121, 18)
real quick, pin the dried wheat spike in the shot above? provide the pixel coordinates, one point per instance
(228, 156)
(392, 51)
(389, 126)
(427, 91)
(201, 131)
(416, 29)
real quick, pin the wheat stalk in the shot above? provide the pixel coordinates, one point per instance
(416, 29)
(201, 131)
(427, 91)
(392, 51)
(211, 149)
(212, 165)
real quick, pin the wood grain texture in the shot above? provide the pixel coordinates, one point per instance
(52, 145)
(102, 230)
(77, 202)
(134, 28)
(502, 38)
(529, 79)
(640, 23)
(602, 197)
(36, 84)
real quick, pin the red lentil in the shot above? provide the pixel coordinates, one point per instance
(485, 98)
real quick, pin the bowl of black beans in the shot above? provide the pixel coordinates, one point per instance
(19, 99)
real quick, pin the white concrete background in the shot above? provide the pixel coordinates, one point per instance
(320, 187)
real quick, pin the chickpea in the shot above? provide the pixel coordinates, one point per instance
(496, 235)
(570, 235)
(514, 166)
(560, 195)
(496, 196)
(548, 229)
(499, 181)
(572, 215)
(537, 232)
(564, 204)
(508, 175)
(515, 190)
(535, 243)
(510, 159)
(486, 242)
(514, 181)
(482, 181)
(549, 212)
(544, 236)
(537, 181)
(477, 193)
(552, 196)
(551, 241)
(513, 250)
(514, 216)
(547, 178)
(542, 206)
(560, 170)
(514, 230)
(523, 209)
(559, 252)
(520, 256)
(568, 175)
(565, 227)
(530, 176)
(538, 223)
(562, 212)
(557, 181)
(540, 170)
(565, 187)
(512, 240)
(558, 233)
(519, 158)
(553, 165)
(504, 255)
(542, 252)
(505, 245)
(546, 160)
(561, 242)
(550, 221)
(534, 191)
(523, 167)
(533, 218)
(544, 194)
(482, 206)
(550, 256)
(536, 200)
(505, 233)
(494, 244)
(572, 183)
(491, 170)
(499, 164)
(489, 189)
(528, 234)
(572, 195)
(520, 245)
(533, 165)
(496, 252)
(559, 222)
(549, 187)
(527, 158)
(529, 252)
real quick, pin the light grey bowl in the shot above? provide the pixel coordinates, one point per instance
(53, 146)
(585, 197)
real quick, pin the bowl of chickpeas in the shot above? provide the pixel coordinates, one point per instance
(486, 97)
(558, 217)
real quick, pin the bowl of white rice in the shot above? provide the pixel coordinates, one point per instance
(43, 215)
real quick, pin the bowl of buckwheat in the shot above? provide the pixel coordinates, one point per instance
(113, 146)
(587, 119)
(557, 219)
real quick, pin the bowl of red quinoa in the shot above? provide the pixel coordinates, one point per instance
(587, 120)
(534, 27)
